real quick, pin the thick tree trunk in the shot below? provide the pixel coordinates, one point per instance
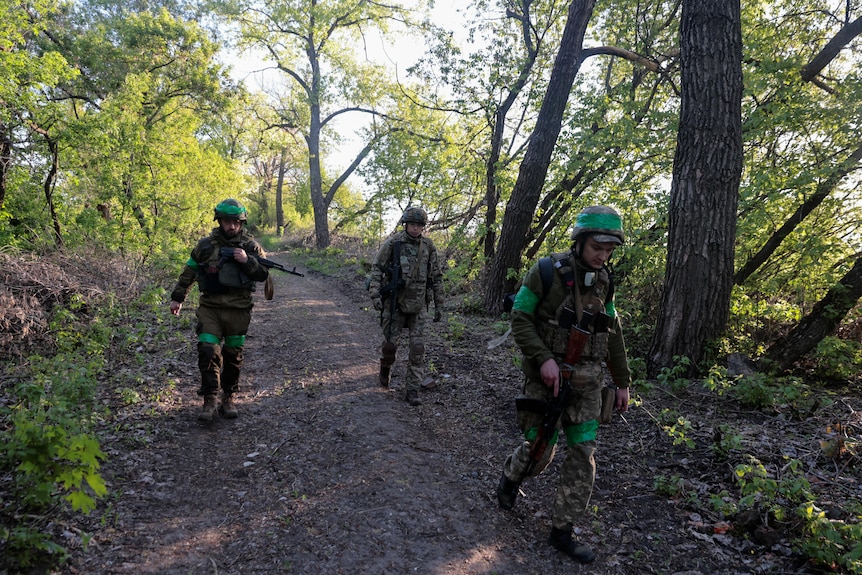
(531, 177)
(822, 321)
(279, 192)
(705, 188)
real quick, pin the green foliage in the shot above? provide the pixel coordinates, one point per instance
(48, 446)
(832, 542)
(676, 377)
(727, 441)
(838, 359)
(677, 427)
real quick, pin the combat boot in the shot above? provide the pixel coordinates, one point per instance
(385, 375)
(413, 397)
(507, 491)
(228, 407)
(209, 408)
(561, 539)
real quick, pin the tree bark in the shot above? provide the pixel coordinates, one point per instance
(279, 192)
(531, 177)
(5, 160)
(705, 188)
(822, 321)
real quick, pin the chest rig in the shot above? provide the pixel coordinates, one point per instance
(217, 275)
(586, 291)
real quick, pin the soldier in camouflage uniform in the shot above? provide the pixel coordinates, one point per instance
(422, 281)
(537, 331)
(226, 284)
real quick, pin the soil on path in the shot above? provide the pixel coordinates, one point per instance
(327, 472)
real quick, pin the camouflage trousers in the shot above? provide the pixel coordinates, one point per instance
(578, 424)
(220, 364)
(392, 331)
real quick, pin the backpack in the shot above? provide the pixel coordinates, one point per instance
(546, 272)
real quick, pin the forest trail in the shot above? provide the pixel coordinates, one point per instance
(327, 472)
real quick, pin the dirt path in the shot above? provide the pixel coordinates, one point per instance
(325, 472)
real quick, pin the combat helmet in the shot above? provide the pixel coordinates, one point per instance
(414, 216)
(230, 209)
(604, 224)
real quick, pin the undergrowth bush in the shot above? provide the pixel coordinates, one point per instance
(50, 451)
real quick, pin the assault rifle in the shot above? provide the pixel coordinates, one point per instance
(579, 335)
(391, 289)
(226, 254)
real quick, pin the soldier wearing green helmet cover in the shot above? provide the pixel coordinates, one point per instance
(418, 268)
(581, 282)
(226, 284)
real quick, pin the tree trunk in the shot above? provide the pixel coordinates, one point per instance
(318, 201)
(822, 321)
(48, 186)
(279, 193)
(832, 49)
(705, 189)
(531, 177)
(5, 160)
(824, 188)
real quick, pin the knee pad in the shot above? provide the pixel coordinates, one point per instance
(388, 353)
(209, 357)
(417, 349)
(232, 355)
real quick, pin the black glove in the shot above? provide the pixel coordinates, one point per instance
(377, 303)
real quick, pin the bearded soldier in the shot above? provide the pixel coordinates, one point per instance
(405, 278)
(225, 266)
(580, 289)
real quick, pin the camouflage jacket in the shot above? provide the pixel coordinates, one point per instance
(202, 267)
(420, 270)
(535, 321)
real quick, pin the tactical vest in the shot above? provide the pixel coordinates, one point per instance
(218, 279)
(579, 297)
(415, 271)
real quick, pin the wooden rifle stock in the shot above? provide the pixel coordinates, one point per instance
(579, 335)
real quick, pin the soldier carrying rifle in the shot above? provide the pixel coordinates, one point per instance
(404, 278)
(565, 329)
(226, 264)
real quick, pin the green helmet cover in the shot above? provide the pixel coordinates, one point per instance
(230, 209)
(601, 222)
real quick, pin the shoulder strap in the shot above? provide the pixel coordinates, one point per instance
(546, 272)
(610, 271)
(207, 249)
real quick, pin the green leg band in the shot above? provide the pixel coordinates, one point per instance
(209, 338)
(234, 340)
(532, 433)
(581, 432)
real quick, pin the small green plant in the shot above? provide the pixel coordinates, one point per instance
(727, 440)
(838, 359)
(754, 391)
(831, 542)
(457, 327)
(676, 377)
(717, 380)
(672, 486)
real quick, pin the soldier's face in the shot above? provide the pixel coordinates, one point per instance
(230, 227)
(596, 254)
(414, 229)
